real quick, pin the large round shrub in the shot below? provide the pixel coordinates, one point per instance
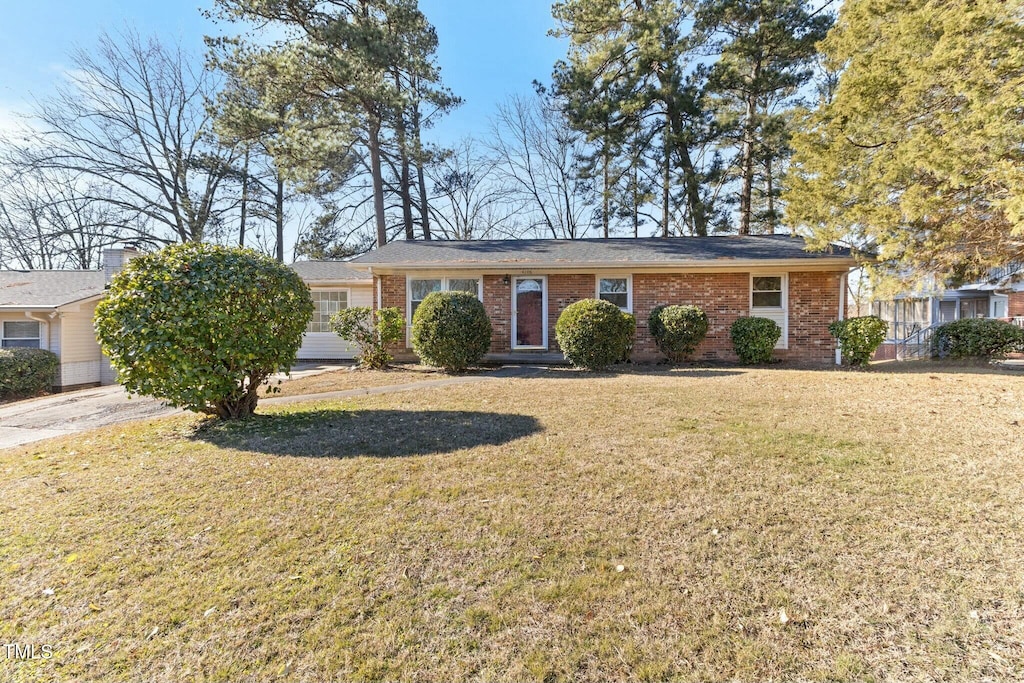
(451, 330)
(677, 330)
(859, 338)
(977, 338)
(202, 326)
(754, 339)
(594, 334)
(26, 372)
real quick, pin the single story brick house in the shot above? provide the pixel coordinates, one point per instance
(526, 284)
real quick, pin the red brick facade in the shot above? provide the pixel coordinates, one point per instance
(813, 304)
(1015, 307)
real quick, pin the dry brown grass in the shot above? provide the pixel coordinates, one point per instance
(881, 510)
(346, 379)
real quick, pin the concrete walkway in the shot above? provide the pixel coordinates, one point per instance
(77, 411)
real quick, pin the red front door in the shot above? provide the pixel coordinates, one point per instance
(528, 313)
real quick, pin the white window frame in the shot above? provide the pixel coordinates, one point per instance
(316, 290)
(513, 319)
(759, 311)
(38, 338)
(444, 288)
(616, 276)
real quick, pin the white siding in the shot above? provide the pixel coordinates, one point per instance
(81, 360)
(779, 314)
(326, 345)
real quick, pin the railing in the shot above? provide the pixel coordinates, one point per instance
(1018, 320)
(916, 345)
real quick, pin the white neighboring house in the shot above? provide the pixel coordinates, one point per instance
(52, 310)
(334, 285)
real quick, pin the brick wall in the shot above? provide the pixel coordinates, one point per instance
(498, 302)
(1015, 306)
(813, 304)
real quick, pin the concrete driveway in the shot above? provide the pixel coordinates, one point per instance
(76, 411)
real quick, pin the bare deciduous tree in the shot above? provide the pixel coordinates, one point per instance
(539, 156)
(131, 120)
(470, 202)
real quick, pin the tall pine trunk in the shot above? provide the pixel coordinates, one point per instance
(666, 177)
(243, 209)
(405, 179)
(279, 215)
(747, 167)
(377, 176)
(417, 143)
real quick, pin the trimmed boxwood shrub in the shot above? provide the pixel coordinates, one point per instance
(677, 330)
(859, 338)
(754, 339)
(594, 334)
(203, 327)
(977, 338)
(451, 330)
(26, 372)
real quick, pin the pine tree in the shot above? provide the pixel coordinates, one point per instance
(766, 52)
(919, 155)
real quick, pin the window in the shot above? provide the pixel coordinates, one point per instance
(326, 302)
(767, 292)
(973, 308)
(20, 334)
(419, 289)
(614, 290)
(470, 285)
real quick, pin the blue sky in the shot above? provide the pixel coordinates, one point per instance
(488, 50)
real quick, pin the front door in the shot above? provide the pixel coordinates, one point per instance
(529, 328)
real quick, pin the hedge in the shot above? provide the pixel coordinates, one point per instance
(976, 338)
(27, 372)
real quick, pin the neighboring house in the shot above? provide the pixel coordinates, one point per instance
(334, 285)
(53, 310)
(526, 284)
(913, 316)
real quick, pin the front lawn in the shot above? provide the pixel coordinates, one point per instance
(716, 524)
(349, 378)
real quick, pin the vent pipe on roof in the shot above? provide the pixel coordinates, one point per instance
(116, 259)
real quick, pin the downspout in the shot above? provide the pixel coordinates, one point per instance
(842, 312)
(379, 303)
(45, 338)
(46, 323)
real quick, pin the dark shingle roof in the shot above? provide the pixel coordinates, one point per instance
(614, 251)
(48, 288)
(329, 271)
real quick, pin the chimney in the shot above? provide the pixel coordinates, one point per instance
(116, 259)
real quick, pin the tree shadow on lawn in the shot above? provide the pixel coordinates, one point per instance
(340, 433)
